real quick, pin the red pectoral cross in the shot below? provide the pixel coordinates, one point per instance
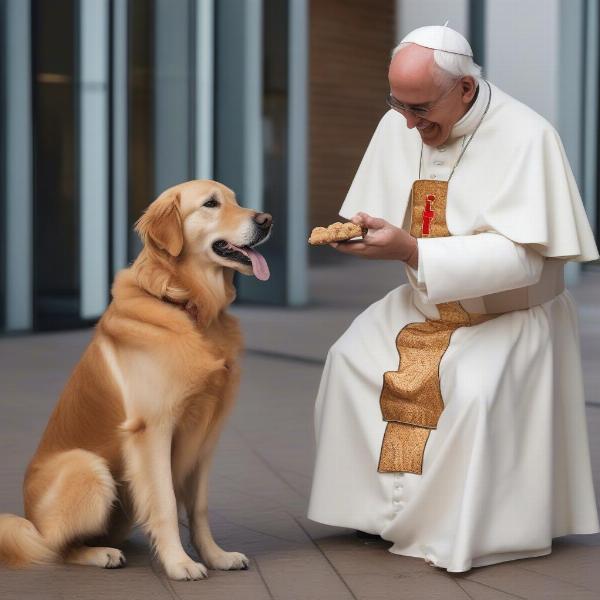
(428, 215)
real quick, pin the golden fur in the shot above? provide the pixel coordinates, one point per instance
(132, 435)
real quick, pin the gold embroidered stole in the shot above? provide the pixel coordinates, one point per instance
(411, 400)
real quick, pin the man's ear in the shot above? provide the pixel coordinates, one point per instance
(469, 88)
(162, 224)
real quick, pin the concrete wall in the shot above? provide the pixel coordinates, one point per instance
(411, 14)
(522, 46)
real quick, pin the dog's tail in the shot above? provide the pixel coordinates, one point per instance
(21, 544)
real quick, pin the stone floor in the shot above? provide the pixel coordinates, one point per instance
(261, 477)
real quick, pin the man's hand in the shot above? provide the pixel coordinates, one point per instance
(382, 241)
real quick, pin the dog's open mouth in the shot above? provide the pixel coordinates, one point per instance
(245, 255)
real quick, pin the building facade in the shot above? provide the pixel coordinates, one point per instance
(105, 103)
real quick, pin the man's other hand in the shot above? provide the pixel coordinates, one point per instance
(382, 241)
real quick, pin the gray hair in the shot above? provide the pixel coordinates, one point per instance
(450, 66)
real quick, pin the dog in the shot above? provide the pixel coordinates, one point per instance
(132, 436)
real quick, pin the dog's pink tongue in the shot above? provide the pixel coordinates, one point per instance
(259, 264)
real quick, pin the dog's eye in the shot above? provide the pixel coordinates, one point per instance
(211, 203)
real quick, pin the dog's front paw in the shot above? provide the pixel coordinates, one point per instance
(228, 561)
(187, 570)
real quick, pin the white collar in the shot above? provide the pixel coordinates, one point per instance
(468, 122)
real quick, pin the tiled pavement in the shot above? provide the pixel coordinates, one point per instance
(261, 477)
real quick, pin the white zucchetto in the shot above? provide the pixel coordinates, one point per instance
(439, 37)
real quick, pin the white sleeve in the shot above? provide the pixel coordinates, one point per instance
(468, 266)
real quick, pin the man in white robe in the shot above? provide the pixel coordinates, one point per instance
(503, 465)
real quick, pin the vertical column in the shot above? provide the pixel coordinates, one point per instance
(570, 95)
(93, 153)
(119, 157)
(297, 221)
(590, 118)
(204, 50)
(239, 84)
(477, 30)
(252, 193)
(18, 166)
(570, 81)
(173, 93)
(239, 122)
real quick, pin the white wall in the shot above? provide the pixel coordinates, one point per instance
(521, 49)
(411, 14)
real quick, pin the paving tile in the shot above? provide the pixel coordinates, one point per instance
(82, 583)
(221, 585)
(478, 591)
(570, 562)
(517, 578)
(301, 574)
(418, 586)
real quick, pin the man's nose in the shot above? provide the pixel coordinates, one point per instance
(411, 120)
(263, 220)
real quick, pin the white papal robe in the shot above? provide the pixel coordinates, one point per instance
(508, 467)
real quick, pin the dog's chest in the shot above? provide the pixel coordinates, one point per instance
(225, 339)
(212, 398)
(221, 343)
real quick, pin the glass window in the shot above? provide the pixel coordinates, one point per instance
(56, 238)
(161, 81)
(235, 137)
(2, 168)
(140, 111)
(275, 150)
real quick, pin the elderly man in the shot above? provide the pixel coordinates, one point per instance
(450, 416)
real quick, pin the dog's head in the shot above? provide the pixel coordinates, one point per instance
(201, 221)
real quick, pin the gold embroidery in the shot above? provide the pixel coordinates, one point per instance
(421, 189)
(402, 448)
(411, 399)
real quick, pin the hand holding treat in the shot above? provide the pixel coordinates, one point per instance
(380, 239)
(336, 232)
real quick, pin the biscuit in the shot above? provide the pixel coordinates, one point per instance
(336, 232)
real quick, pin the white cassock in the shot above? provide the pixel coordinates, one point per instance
(508, 467)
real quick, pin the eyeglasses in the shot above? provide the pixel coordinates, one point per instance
(418, 111)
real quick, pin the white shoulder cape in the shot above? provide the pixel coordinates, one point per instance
(514, 179)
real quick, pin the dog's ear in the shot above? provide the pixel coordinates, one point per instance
(162, 224)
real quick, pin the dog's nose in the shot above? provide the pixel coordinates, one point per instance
(263, 220)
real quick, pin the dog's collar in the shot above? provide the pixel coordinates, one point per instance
(189, 307)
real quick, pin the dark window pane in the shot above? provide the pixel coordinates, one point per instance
(56, 238)
(2, 169)
(141, 110)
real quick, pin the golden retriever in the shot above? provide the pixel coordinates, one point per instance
(133, 433)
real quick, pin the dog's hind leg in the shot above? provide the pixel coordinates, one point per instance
(120, 522)
(96, 556)
(69, 498)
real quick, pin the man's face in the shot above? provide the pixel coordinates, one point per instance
(413, 85)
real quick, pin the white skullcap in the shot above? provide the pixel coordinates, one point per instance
(439, 37)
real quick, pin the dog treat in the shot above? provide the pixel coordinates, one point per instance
(336, 232)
